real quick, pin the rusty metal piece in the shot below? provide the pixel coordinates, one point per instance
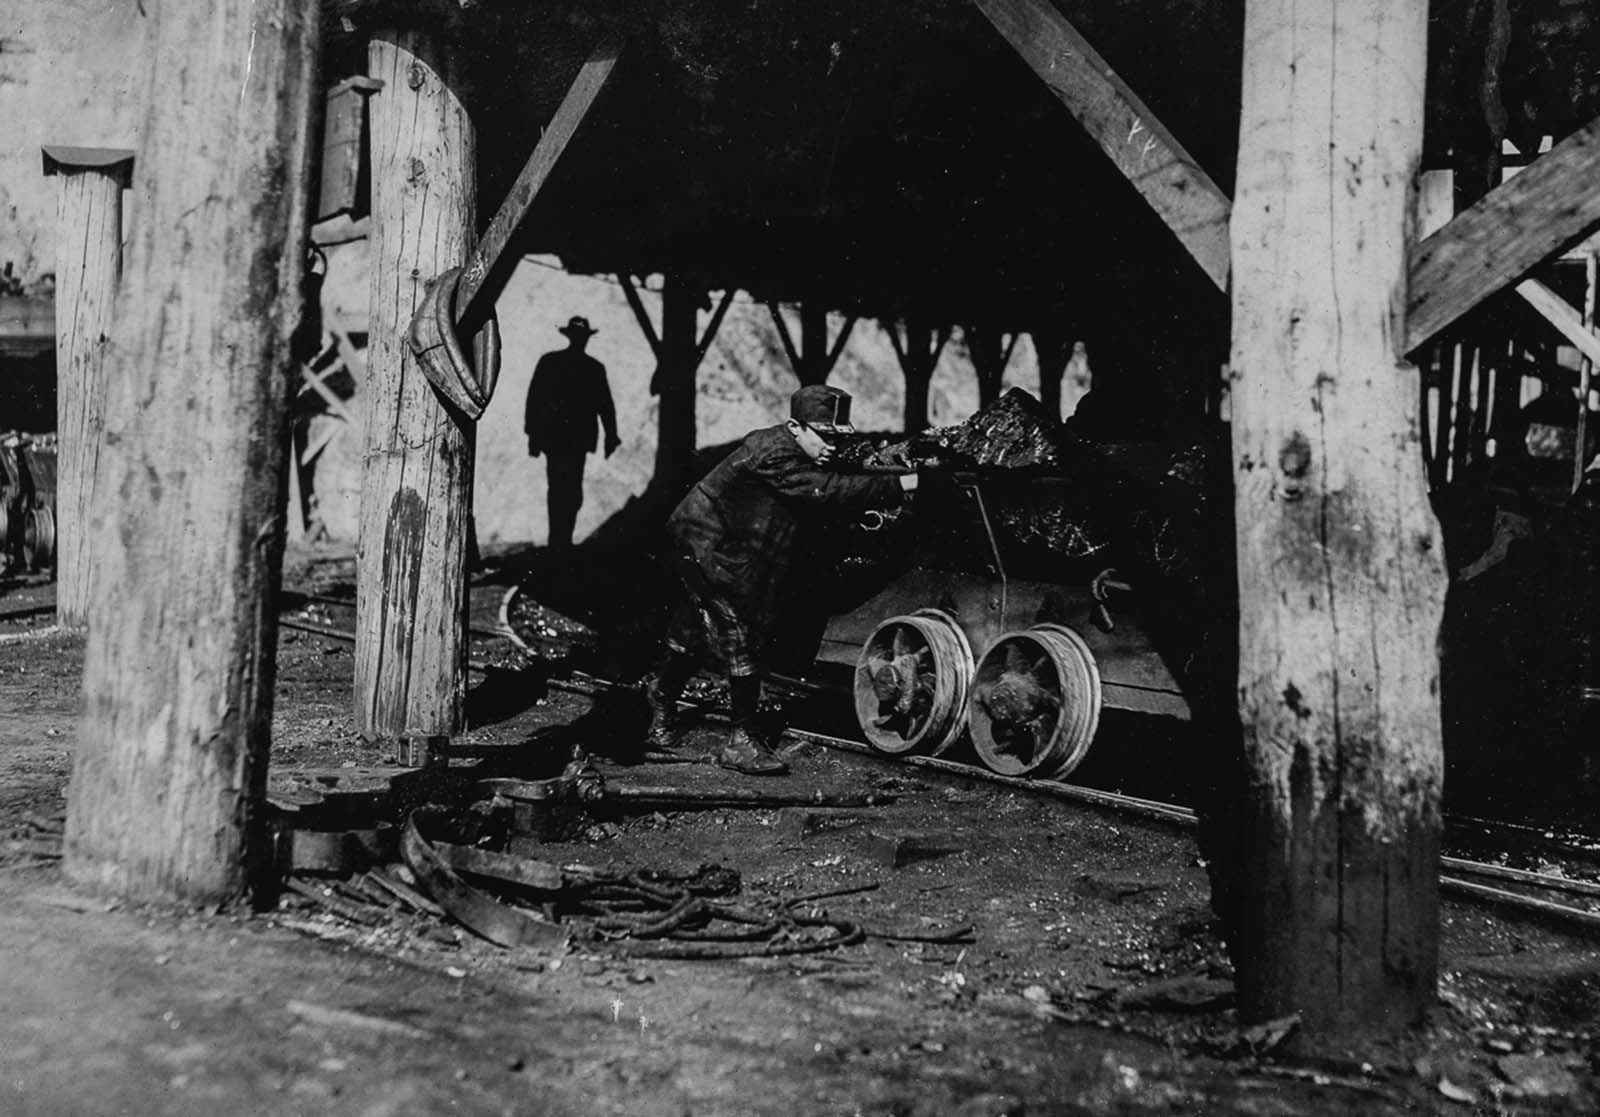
(1036, 702)
(339, 851)
(911, 683)
(524, 871)
(39, 539)
(502, 924)
(466, 384)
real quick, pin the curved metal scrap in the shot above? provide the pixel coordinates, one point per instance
(500, 923)
(466, 384)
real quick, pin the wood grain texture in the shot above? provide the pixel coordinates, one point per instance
(416, 491)
(1551, 203)
(1149, 156)
(166, 796)
(1340, 564)
(88, 268)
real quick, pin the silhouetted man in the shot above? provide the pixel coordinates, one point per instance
(568, 394)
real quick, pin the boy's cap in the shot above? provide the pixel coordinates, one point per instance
(822, 409)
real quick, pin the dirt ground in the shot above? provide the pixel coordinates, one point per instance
(1092, 979)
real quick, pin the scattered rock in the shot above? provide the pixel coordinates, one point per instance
(1180, 994)
(326, 1017)
(1537, 1076)
(798, 823)
(992, 1105)
(1111, 888)
(1264, 1038)
(894, 850)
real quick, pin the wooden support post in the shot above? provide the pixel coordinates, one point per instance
(88, 268)
(675, 379)
(416, 492)
(919, 356)
(1341, 568)
(813, 343)
(990, 350)
(169, 776)
(813, 360)
(1053, 349)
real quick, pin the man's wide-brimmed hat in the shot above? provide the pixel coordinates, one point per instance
(578, 325)
(822, 409)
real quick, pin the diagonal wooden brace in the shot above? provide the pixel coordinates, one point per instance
(462, 299)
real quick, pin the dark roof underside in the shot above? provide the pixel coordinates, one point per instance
(899, 158)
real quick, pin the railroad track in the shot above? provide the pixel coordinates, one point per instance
(1558, 892)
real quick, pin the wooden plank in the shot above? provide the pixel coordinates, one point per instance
(641, 315)
(1331, 842)
(552, 142)
(786, 337)
(1560, 314)
(710, 334)
(1149, 156)
(88, 270)
(832, 358)
(316, 382)
(169, 770)
(1535, 214)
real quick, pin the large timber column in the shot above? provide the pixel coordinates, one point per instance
(918, 352)
(168, 780)
(675, 379)
(1341, 571)
(416, 491)
(88, 268)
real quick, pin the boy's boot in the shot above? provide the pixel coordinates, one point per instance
(744, 750)
(661, 693)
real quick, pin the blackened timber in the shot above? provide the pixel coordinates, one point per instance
(710, 334)
(631, 292)
(552, 142)
(919, 356)
(1148, 156)
(674, 380)
(1552, 202)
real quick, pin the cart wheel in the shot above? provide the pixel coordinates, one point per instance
(911, 683)
(1036, 702)
(39, 539)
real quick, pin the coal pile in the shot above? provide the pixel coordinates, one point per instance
(1013, 433)
(1064, 507)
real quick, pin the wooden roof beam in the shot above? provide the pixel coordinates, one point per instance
(1149, 157)
(1541, 210)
